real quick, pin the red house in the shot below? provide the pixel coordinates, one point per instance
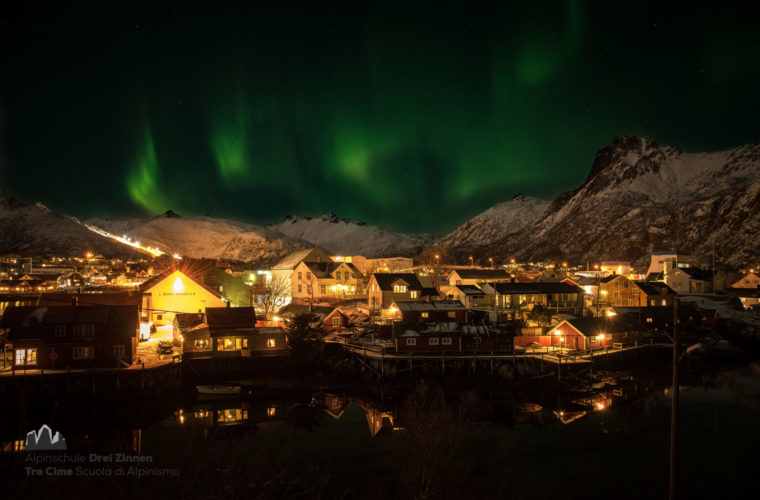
(60, 337)
(336, 321)
(583, 334)
(428, 341)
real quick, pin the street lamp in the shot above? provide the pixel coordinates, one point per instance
(471, 262)
(490, 259)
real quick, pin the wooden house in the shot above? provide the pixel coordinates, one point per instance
(385, 289)
(420, 312)
(326, 280)
(176, 292)
(583, 334)
(60, 337)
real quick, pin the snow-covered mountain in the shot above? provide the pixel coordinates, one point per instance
(497, 221)
(349, 237)
(640, 197)
(32, 230)
(204, 237)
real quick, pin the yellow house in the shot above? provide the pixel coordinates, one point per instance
(165, 295)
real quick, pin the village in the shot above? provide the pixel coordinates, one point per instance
(93, 313)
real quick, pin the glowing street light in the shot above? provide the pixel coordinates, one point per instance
(472, 262)
(490, 259)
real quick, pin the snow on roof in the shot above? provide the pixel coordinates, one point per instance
(443, 305)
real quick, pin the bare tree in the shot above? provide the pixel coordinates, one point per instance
(269, 298)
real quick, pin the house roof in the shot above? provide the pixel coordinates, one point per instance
(291, 261)
(23, 319)
(591, 327)
(230, 317)
(610, 278)
(186, 321)
(481, 274)
(654, 288)
(386, 280)
(470, 289)
(534, 287)
(439, 305)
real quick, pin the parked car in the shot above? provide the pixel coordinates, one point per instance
(164, 347)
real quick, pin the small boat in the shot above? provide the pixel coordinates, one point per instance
(218, 390)
(530, 407)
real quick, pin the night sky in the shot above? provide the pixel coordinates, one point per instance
(410, 117)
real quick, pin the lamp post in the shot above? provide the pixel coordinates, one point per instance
(472, 264)
(490, 259)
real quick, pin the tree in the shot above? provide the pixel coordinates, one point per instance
(540, 315)
(271, 297)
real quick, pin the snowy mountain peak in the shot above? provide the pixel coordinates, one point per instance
(169, 214)
(350, 237)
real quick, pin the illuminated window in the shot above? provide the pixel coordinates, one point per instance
(630, 302)
(664, 302)
(271, 411)
(425, 315)
(26, 357)
(433, 341)
(399, 288)
(414, 294)
(229, 344)
(411, 341)
(446, 341)
(452, 314)
(649, 320)
(82, 352)
(323, 289)
(202, 344)
(271, 343)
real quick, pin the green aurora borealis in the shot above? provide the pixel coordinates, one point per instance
(414, 116)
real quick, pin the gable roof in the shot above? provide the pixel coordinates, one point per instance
(654, 288)
(470, 289)
(230, 317)
(534, 287)
(439, 305)
(481, 274)
(591, 327)
(23, 319)
(187, 321)
(290, 262)
(386, 280)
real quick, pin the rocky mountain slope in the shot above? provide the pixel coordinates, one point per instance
(31, 230)
(494, 223)
(349, 237)
(640, 197)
